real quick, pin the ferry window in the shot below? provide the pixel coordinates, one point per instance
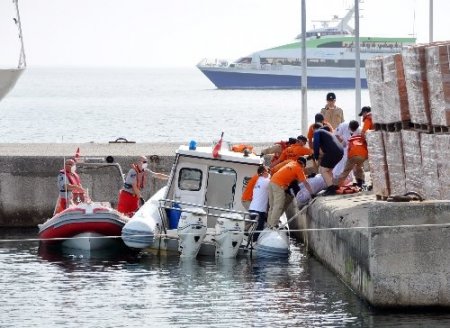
(190, 179)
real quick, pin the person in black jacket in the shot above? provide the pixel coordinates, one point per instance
(326, 143)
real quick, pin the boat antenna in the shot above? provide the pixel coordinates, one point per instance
(65, 175)
(22, 58)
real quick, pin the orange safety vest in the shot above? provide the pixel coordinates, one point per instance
(247, 194)
(140, 177)
(288, 173)
(357, 146)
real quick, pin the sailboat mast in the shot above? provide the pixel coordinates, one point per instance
(22, 58)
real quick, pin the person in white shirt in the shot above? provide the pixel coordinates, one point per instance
(260, 200)
(343, 133)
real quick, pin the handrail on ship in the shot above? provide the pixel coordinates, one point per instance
(245, 214)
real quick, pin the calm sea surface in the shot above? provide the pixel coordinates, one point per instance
(150, 105)
(48, 288)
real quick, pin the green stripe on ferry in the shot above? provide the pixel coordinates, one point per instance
(315, 43)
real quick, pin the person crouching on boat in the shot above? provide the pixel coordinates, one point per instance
(69, 184)
(135, 181)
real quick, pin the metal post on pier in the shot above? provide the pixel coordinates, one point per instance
(304, 79)
(430, 29)
(357, 63)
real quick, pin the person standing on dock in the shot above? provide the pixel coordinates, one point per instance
(332, 114)
(69, 183)
(135, 181)
(366, 119)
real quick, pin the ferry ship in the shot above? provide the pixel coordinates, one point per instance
(330, 53)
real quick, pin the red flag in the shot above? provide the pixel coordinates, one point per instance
(77, 155)
(217, 147)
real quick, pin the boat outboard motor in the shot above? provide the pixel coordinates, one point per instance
(273, 244)
(191, 231)
(229, 235)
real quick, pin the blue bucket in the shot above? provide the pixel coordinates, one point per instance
(174, 216)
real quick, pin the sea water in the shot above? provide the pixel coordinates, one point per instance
(42, 287)
(80, 105)
(51, 288)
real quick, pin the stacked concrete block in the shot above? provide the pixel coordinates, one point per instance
(430, 178)
(442, 148)
(374, 73)
(387, 89)
(414, 63)
(394, 159)
(438, 76)
(412, 158)
(377, 163)
(394, 90)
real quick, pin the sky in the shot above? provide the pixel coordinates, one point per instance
(179, 33)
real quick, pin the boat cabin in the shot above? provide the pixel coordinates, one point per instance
(199, 178)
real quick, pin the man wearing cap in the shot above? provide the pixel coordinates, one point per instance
(68, 183)
(135, 181)
(332, 114)
(366, 118)
(318, 118)
(279, 183)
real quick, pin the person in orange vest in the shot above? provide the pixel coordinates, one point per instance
(279, 183)
(69, 183)
(317, 119)
(294, 151)
(247, 194)
(135, 181)
(366, 118)
(357, 155)
(277, 148)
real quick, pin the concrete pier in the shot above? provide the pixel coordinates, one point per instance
(391, 254)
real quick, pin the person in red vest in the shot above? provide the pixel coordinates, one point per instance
(69, 183)
(135, 181)
(366, 118)
(357, 155)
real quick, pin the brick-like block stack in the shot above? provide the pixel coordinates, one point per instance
(414, 62)
(438, 76)
(377, 163)
(412, 158)
(411, 112)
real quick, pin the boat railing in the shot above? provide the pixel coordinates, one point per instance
(246, 216)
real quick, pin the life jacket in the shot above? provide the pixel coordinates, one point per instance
(241, 147)
(73, 178)
(140, 177)
(357, 146)
(368, 123)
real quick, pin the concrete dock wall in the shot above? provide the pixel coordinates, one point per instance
(391, 254)
(28, 176)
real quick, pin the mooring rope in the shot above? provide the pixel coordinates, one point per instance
(424, 225)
